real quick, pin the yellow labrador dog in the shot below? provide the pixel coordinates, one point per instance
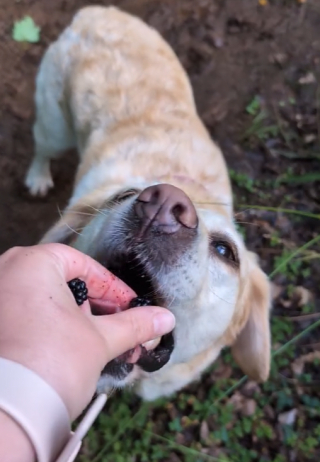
(152, 199)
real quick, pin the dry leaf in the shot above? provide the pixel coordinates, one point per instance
(288, 418)
(298, 364)
(204, 431)
(249, 407)
(242, 404)
(269, 412)
(236, 400)
(304, 296)
(310, 138)
(307, 79)
(285, 303)
(250, 388)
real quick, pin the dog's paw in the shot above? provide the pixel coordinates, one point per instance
(39, 180)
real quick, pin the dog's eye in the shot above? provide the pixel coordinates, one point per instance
(125, 195)
(224, 250)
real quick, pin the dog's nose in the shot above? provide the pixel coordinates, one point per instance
(166, 207)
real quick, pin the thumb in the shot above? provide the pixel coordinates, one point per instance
(127, 329)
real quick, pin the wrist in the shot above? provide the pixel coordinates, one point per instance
(36, 407)
(15, 445)
(31, 361)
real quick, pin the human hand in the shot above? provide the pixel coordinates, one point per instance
(42, 328)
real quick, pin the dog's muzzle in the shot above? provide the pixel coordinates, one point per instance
(159, 228)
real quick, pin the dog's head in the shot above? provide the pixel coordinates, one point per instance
(187, 257)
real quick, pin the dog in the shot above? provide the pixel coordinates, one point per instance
(152, 199)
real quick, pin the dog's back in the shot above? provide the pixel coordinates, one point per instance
(110, 80)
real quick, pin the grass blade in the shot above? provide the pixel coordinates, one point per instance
(182, 448)
(281, 210)
(116, 437)
(294, 254)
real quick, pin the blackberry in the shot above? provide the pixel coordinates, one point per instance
(79, 290)
(139, 301)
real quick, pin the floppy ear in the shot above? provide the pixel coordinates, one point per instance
(66, 230)
(251, 349)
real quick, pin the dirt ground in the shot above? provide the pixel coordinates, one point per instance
(231, 49)
(255, 69)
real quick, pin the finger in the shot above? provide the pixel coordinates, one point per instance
(102, 285)
(125, 330)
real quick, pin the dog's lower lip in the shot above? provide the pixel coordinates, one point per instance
(135, 355)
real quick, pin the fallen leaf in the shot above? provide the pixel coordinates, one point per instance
(250, 388)
(288, 418)
(269, 412)
(285, 303)
(204, 431)
(304, 296)
(236, 400)
(242, 404)
(224, 371)
(298, 364)
(249, 407)
(307, 79)
(279, 58)
(310, 138)
(26, 31)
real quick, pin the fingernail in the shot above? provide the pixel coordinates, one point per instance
(163, 322)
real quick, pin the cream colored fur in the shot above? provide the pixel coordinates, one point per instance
(113, 88)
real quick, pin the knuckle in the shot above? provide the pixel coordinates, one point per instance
(13, 252)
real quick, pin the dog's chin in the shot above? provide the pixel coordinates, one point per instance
(125, 369)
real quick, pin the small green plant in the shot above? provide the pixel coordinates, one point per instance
(260, 127)
(292, 268)
(26, 31)
(242, 180)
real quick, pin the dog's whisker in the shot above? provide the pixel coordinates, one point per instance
(115, 211)
(215, 203)
(241, 211)
(75, 212)
(66, 224)
(96, 210)
(171, 302)
(246, 223)
(220, 298)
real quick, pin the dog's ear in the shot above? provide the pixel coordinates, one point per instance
(251, 349)
(66, 230)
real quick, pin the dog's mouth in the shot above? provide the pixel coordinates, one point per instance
(152, 355)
